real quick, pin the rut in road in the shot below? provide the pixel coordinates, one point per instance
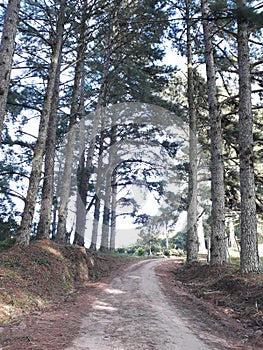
(133, 313)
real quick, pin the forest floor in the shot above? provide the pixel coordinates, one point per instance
(47, 289)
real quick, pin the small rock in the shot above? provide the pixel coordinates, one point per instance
(259, 332)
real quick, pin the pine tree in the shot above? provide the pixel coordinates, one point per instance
(120, 44)
(7, 46)
(192, 237)
(24, 231)
(218, 236)
(61, 235)
(47, 196)
(249, 258)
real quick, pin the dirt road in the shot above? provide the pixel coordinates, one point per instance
(133, 313)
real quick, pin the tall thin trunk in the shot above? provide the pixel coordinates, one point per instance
(7, 47)
(113, 213)
(98, 117)
(95, 225)
(111, 44)
(105, 238)
(61, 235)
(79, 237)
(54, 218)
(113, 225)
(201, 237)
(96, 217)
(44, 224)
(104, 246)
(81, 212)
(192, 236)
(249, 258)
(218, 236)
(24, 231)
(232, 239)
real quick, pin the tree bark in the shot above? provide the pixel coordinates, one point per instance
(24, 231)
(249, 258)
(218, 236)
(192, 236)
(95, 225)
(61, 235)
(96, 216)
(47, 198)
(104, 246)
(7, 47)
(113, 213)
(108, 242)
(79, 237)
(113, 225)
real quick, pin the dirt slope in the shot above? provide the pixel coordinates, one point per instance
(46, 273)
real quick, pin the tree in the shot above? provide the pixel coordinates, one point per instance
(61, 235)
(7, 46)
(218, 236)
(96, 215)
(119, 52)
(113, 213)
(192, 237)
(24, 231)
(81, 185)
(249, 258)
(114, 192)
(47, 196)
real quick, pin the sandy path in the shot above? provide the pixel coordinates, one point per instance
(133, 313)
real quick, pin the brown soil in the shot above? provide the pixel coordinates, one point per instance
(227, 303)
(46, 290)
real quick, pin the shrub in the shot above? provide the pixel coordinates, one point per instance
(140, 251)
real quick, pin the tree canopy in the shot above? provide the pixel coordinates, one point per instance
(93, 121)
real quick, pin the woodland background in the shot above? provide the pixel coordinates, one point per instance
(70, 70)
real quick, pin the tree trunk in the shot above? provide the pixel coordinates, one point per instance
(96, 217)
(111, 35)
(108, 191)
(54, 218)
(104, 246)
(79, 237)
(201, 237)
(192, 236)
(232, 239)
(95, 226)
(61, 235)
(249, 258)
(6, 55)
(113, 225)
(218, 236)
(47, 198)
(98, 117)
(24, 231)
(114, 189)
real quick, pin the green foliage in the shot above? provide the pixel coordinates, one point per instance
(125, 47)
(140, 251)
(218, 5)
(249, 14)
(179, 240)
(7, 228)
(7, 243)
